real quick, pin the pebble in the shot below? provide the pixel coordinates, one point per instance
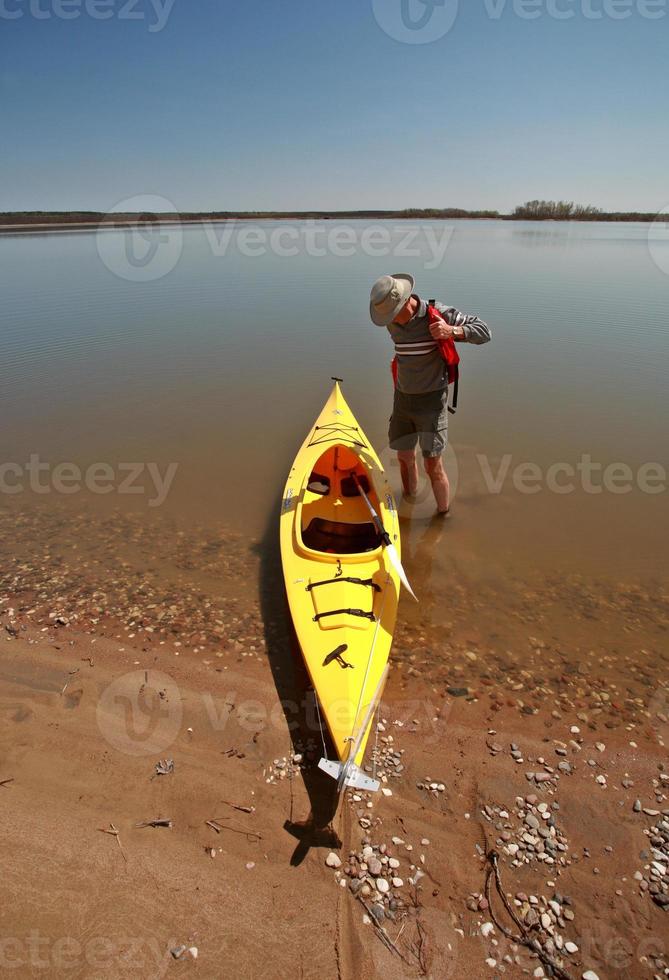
(487, 929)
(332, 860)
(382, 886)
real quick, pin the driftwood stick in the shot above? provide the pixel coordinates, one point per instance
(381, 932)
(113, 832)
(238, 806)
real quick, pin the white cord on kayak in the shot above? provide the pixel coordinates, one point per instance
(320, 725)
(375, 755)
(371, 652)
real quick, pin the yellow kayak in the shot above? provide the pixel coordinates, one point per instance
(342, 585)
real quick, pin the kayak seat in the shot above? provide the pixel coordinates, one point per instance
(339, 538)
(349, 487)
(319, 484)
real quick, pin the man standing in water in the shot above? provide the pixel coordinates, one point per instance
(420, 407)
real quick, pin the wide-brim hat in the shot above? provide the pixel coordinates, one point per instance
(388, 296)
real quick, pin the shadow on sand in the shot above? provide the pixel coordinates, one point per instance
(296, 695)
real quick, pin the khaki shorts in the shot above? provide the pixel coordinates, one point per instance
(420, 419)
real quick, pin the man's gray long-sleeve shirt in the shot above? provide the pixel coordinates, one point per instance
(424, 369)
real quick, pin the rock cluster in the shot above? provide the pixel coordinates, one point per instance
(529, 833)
(284, 768)
(655, 878)
(380, 873)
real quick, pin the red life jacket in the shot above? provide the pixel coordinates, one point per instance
(449, 355)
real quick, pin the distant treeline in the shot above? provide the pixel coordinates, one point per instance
(568, 211)
(95, 217)
(530, 211)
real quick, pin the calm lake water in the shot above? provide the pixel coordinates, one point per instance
(221, 364)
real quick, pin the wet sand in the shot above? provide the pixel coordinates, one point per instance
(123, 644)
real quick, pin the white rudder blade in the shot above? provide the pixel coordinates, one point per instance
(352, 775)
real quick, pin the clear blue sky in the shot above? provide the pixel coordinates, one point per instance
(261, 104)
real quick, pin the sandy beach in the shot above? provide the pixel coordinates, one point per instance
(533, 730)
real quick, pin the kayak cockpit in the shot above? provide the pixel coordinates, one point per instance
(339, 537)
(332, 516)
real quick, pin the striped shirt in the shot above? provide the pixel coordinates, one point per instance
(420, 365)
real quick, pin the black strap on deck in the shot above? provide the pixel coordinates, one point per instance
(347, 612)
(346, 578)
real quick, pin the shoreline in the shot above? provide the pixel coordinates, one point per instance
(499, 727)
(462, 787)
(23, 228)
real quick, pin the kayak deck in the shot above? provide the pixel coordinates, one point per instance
(341, 588)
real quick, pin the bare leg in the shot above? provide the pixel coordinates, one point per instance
(439, 480)
(408, 471)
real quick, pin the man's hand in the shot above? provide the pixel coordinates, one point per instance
(441, 330)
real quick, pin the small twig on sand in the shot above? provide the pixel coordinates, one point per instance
(6, 782)
(71, 673)
(216, 825)
(418, 948)
(159, 822)
(237, 806)
(113, 832)
(381, 932)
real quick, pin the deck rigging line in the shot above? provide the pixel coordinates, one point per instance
(328, 433)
